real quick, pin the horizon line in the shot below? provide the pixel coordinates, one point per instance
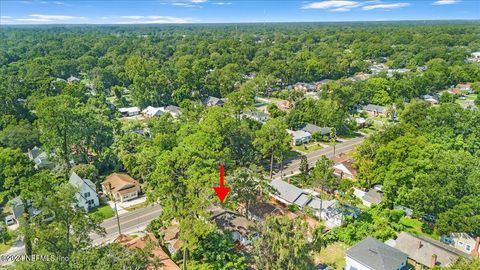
(253, 22)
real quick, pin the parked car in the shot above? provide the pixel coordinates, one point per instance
(9, 220)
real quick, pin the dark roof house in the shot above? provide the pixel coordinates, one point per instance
(213, 101)
(312, 129)
(377, 109)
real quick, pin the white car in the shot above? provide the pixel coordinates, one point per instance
(9, 220)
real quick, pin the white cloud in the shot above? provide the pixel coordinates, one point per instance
(446, 2)
(133, 17)
(188, 5)
(332, 4)
(152, 19)
(198, 1)
(222, 3)
(42, 18)
(341, 9)
(386, 6)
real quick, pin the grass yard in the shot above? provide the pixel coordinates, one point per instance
(136, 206)
(8, 243)
(471, 97)
(414, 226)
(308, 148)
(333, 255)
(290, 155)
(102, 212)
(5, 247)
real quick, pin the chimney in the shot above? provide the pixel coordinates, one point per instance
(419, 244)
(433, 261)
(474, 252)
(289, 180)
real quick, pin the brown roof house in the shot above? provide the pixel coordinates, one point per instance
(260, 210)
(345, 170)
(158, 258)
(122, 186)
(423, 251)
(233, 222)
(171, 239)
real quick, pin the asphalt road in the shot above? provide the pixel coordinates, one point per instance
(130, 222)
(134, 221)
(292, 167)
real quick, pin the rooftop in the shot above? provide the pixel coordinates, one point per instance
(376, 255)
(421, 249)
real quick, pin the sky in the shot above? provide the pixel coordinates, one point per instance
(233, 11)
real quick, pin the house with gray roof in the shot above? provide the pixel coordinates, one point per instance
(213, 101)
(312, 129)
(329, 210)
(174, 111)
(18, 208)
(368, 197)
(256, 116)
(371, 254)
(426, 252)
(375, 110)
(288, 194)
(40, 158)
(299, 136)
(72, 79)
(86, 194)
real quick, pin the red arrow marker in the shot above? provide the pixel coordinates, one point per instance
(221, 190)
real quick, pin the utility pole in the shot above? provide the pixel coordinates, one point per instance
(115, 203)
(333, 134)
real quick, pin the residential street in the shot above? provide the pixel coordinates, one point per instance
(130, 222)
(292, 167)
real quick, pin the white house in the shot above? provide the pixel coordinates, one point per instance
(86, 195)
(299, 136)
(330, 211)
(475, 57)
(153, 111)
(371, 254)
(465, 242)
(129, 111)
(257, 116)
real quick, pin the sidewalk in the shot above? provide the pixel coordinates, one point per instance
(122, 205)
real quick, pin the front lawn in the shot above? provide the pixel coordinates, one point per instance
(102, 212)
(333, 255)
(8, 242)
(307, 148)
(136, 206)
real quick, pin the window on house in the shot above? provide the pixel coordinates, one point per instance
(87, 194)
(460, 244)
(468, 247)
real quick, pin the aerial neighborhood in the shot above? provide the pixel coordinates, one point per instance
(276, 146)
